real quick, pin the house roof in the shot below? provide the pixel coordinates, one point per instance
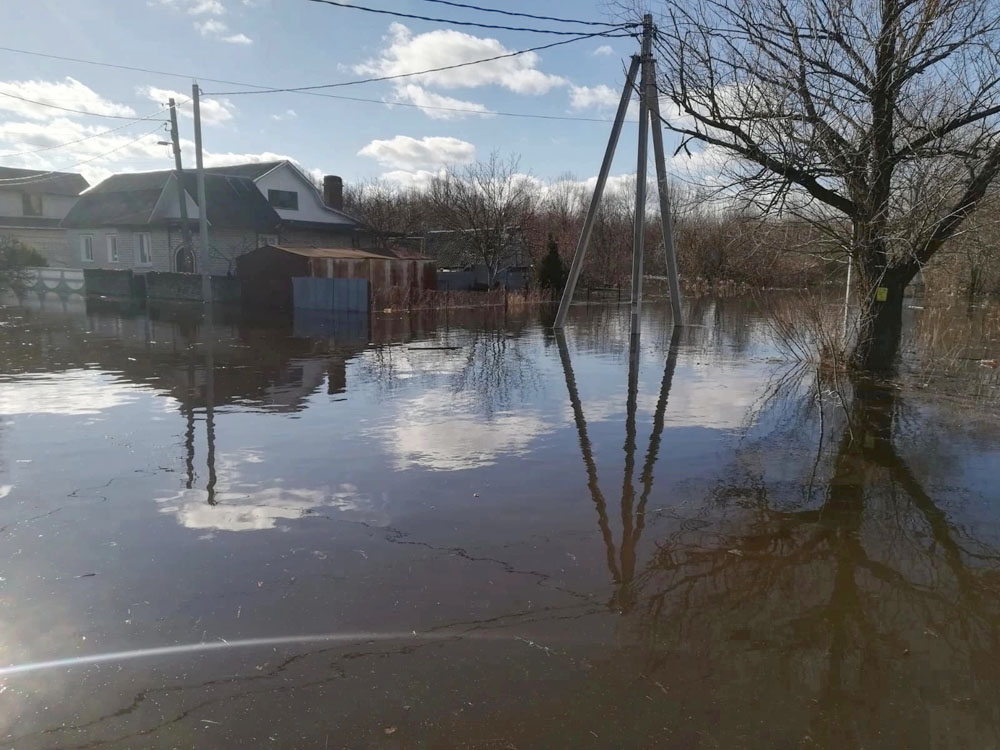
(28, 222)
(351, 253)
(129, 199)
(342, 253)
(251, 171)
(53, 183)
(405, 253)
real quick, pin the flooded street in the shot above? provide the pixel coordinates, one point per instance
(458, 530)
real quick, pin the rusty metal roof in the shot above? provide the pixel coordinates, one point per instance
(342, 253)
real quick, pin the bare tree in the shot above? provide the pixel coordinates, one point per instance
(486, 205)
(387, 211)
(877, 121)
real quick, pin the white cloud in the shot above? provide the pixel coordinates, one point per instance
(406, 53)
(212, 27)
(224, 159)
(68, 92)
(405, 152)
(604, 50)
(237, 39)
(288, 114)
(124, 148)
(423, 98)
(213, 111)
(593, 97)
(206, 7)
(418, 179)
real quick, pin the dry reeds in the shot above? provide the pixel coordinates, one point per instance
(393, 299)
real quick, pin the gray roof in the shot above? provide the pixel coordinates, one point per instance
(253, 171)
(52, 183)
(129, 200)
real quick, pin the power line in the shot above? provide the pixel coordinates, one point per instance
(17, 181)
(524, 15)
(396, 76)
(467, 110)
(89, 137)
(267, 89)
(132, 68)
(449, 21)
(66, 109)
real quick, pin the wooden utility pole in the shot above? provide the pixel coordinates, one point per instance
(649, 110)
(206, 280)
(181, 194)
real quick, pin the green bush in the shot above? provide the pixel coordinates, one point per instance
(15, 256)
(551, 271)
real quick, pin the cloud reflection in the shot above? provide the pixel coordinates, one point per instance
(443, 432)
(264, 508)
(71, 393)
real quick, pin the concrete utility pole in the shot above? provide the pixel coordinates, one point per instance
(595, 202)
(666, 218)
(181, 195)
(649, 111)
(639, 226)
(206, 280)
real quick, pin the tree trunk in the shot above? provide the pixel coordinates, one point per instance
(880, 326)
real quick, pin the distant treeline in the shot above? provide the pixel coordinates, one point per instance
(493, 205)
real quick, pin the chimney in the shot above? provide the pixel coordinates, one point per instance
(333, 192)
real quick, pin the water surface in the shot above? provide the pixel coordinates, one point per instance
(489, 543)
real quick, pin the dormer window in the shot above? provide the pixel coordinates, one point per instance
(287, 200)
(31, 204)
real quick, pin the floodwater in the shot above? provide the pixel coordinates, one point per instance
(459, 530)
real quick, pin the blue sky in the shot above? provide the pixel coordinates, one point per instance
(294, 43)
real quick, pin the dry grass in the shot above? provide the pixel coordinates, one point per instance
(808, 328)
(957, 348)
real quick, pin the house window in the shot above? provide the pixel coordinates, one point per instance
(112, 248)
(267, 239)
(87, 248)
(143, 249)
(31, 204)
(286, 199)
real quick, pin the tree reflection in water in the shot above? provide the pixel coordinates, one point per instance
(861, 617)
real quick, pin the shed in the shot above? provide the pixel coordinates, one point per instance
(266, 273)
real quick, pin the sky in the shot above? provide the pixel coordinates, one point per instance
(289, 43)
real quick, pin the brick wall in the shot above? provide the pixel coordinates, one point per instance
(49, 242)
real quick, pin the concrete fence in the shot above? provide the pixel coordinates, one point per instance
(167, 285)
(58, 280)
(102, 282)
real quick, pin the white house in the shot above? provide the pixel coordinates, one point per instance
(32, 203)
(133, 220)
(308, 217)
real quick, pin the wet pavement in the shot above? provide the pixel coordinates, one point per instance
(460, 530)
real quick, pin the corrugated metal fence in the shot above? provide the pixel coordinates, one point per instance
(343, 295)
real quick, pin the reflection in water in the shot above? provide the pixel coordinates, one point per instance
(633, 522)
(816, 573)
(870, 615)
